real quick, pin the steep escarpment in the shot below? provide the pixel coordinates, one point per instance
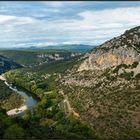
(105, 89)
(7, 64)
(120, 50)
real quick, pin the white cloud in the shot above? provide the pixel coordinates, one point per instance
(6, 19)
(39, 44)
(55, 4)
(98, 24)
(91, 27)
(98, 20)
(111, 18)
(43, 44)
(71, 42)
(59, 4)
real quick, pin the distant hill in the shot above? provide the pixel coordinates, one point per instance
(35, 57)
(74, 47)
(71, 47)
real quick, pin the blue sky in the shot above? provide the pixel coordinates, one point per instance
(41, 23)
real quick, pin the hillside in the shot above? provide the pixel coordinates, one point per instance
(7, 64)
(104, 89)
(51, 117)
(37, 57)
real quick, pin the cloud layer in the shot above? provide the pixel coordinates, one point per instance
(46, 23)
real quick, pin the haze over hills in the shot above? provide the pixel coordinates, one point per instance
(68, 47)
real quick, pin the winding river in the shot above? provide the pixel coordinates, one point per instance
(29, 103)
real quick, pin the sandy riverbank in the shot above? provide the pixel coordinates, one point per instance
(2, 78)
(17, 111)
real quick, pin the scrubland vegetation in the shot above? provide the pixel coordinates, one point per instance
(8, 98)
(48, 119)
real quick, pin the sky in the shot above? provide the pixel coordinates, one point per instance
(42, 23)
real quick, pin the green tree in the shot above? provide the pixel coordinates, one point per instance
(14, 131)
(27, 115)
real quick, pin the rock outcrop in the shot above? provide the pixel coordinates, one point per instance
(124, 49)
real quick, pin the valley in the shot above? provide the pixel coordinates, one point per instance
(52, 113)
(35, 57)
(8, 96)
(93, 95)
(70, 70)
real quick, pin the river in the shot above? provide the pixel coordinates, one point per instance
(29, 103)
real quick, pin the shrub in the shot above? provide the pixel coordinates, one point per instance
(127, 75)
(137, 76)
(134, 65)
(14, 131)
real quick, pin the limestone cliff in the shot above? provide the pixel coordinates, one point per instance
(124, 49)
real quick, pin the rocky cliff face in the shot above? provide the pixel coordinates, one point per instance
(124, 49)
(7, 64)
